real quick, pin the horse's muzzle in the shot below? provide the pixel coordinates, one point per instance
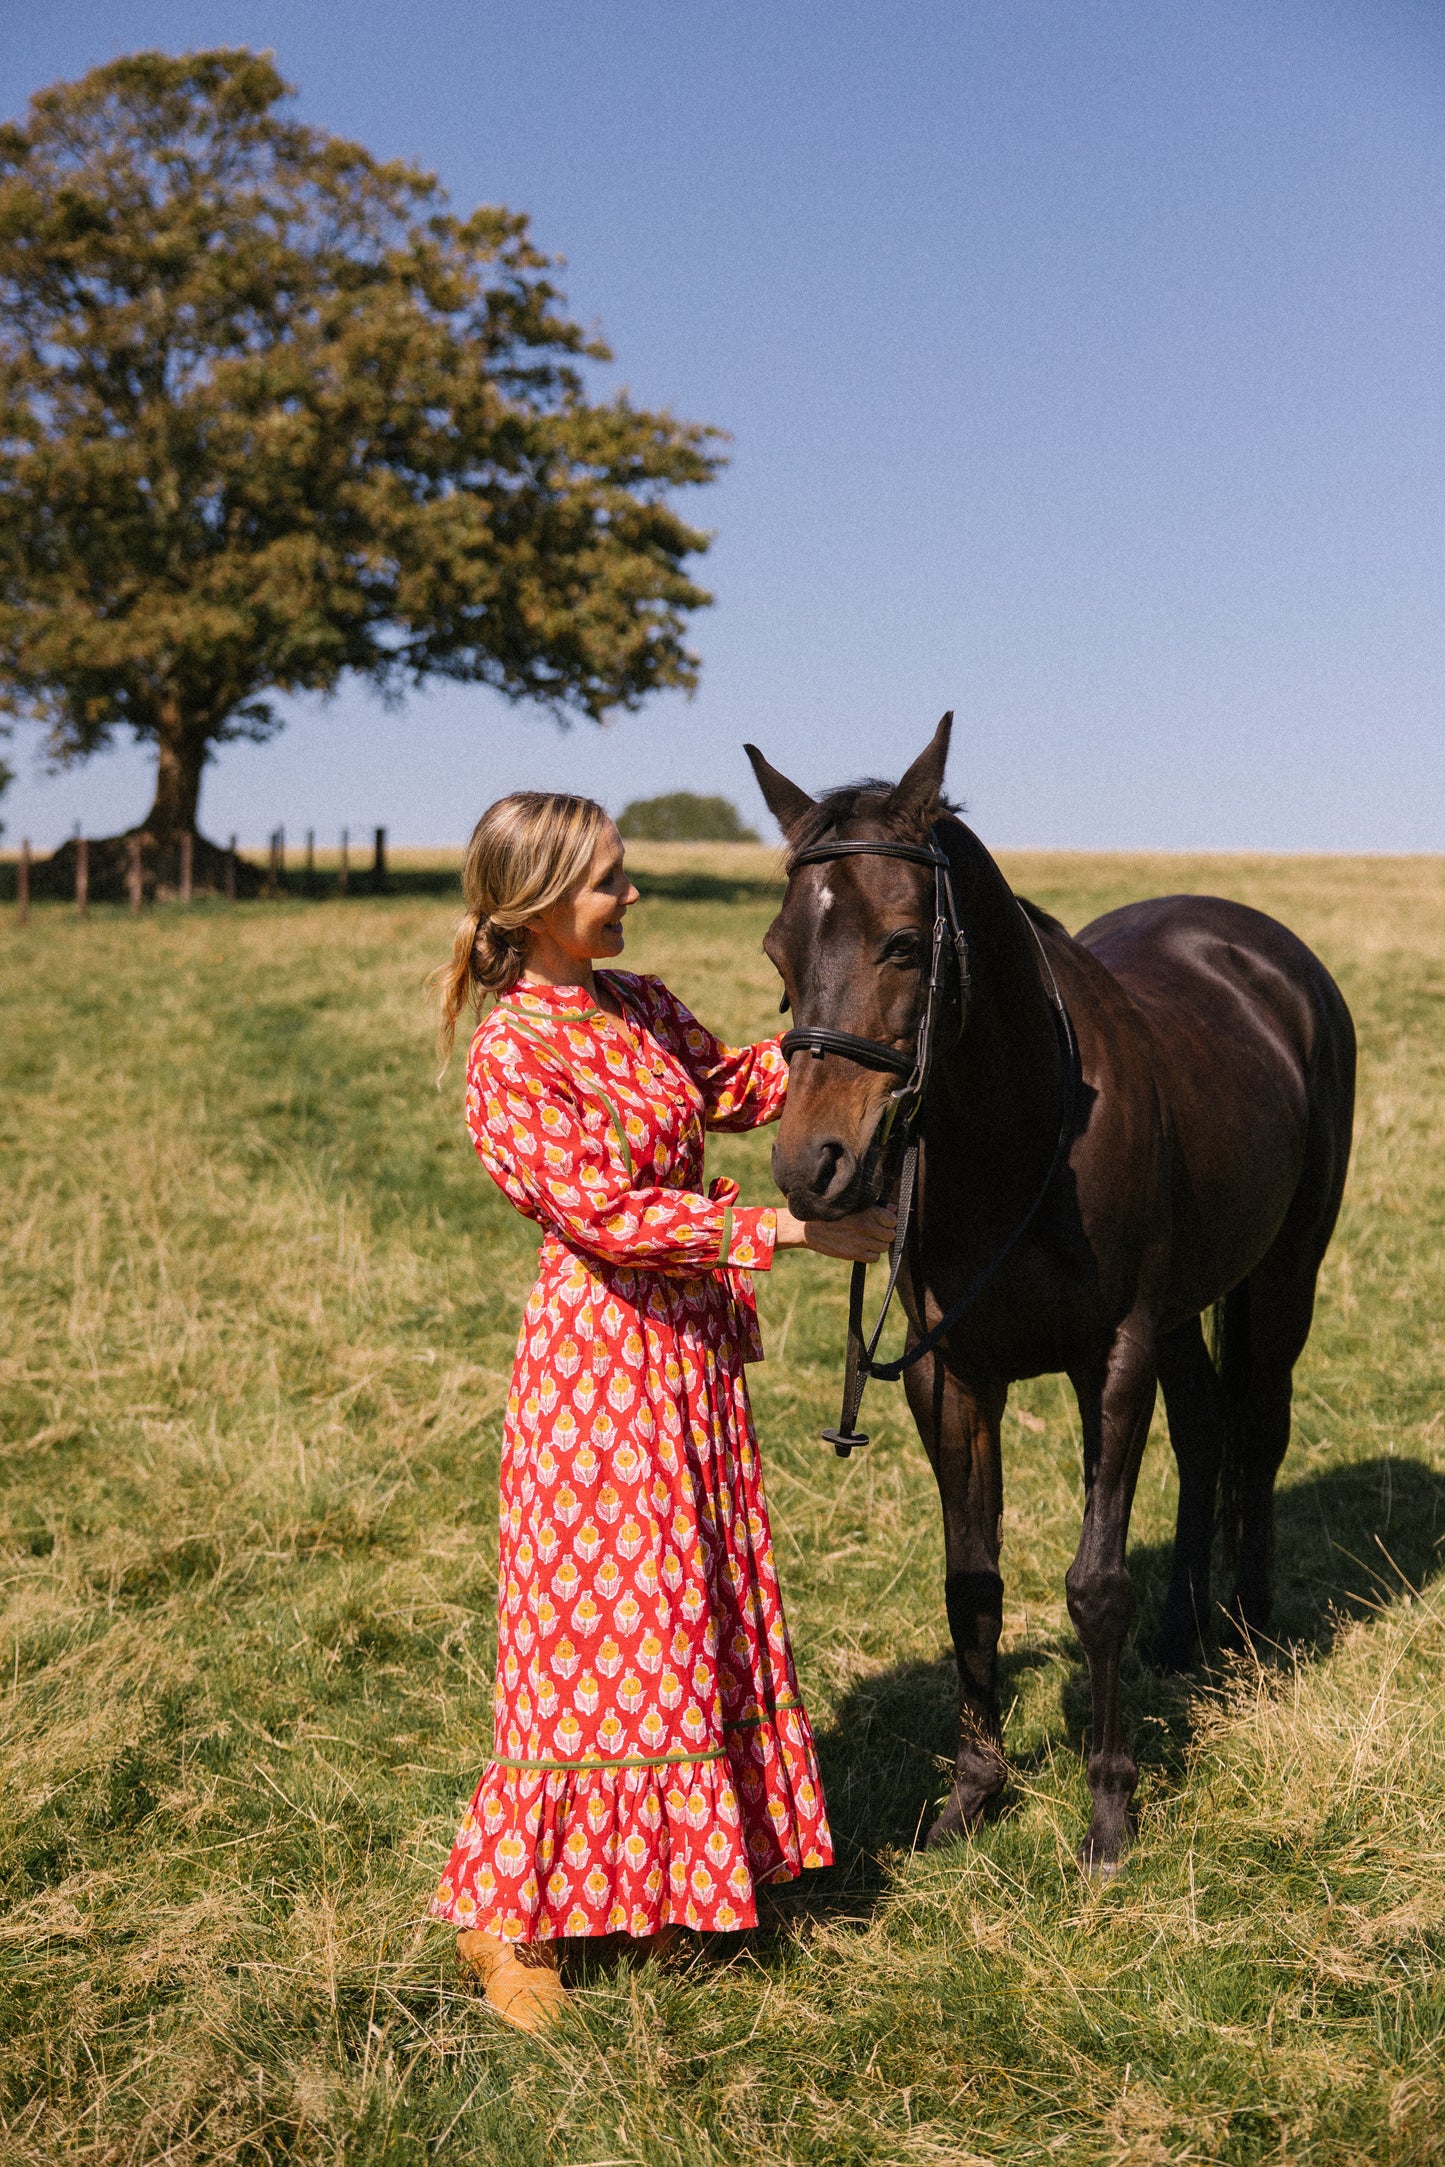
(824, 1178)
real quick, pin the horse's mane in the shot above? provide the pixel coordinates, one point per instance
(1042, 918)
(867, 799)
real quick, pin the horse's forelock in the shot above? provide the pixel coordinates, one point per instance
(868, 799)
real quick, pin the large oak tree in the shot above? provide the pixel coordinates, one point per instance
(270, 412)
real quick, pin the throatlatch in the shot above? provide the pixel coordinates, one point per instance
(906, 1105)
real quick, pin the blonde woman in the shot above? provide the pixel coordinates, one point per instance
(652, 1761)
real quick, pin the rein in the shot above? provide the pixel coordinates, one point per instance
(906, 1103)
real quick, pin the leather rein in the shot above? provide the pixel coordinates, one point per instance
(948, 961)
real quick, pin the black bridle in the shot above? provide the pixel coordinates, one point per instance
(906, 1103)
(948, 941)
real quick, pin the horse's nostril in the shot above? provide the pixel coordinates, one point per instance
(834, 1170)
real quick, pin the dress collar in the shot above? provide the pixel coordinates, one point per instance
(560, 1004)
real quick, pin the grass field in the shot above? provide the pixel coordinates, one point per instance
(259, 1303)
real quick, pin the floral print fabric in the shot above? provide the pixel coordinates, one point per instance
(652, 1759)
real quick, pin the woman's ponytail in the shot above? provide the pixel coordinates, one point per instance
(527, 852)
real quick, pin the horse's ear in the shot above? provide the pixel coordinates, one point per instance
(920, 789)
(784, 800)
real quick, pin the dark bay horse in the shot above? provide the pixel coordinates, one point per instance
(1194, 1155)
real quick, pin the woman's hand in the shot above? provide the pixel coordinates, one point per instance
(862, 1237)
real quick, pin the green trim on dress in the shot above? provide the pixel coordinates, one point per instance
(547, 1047)
(658, 1760)
(638, 1760)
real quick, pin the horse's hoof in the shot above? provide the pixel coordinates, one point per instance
(1102, 1853)
(961, 1816)
(1240, 1635)
(1176, 1651)
(1096, 1869)
(950, 1827)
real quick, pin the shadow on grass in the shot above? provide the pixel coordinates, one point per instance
(402, 882)
(691, 887)
(414, 883)
(1348, 1540)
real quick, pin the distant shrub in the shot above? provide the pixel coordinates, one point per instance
(683, 817)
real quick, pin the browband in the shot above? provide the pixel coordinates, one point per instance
(917, 853)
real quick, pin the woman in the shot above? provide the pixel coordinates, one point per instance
(652, 1761)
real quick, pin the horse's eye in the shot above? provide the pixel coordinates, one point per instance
(902, 948)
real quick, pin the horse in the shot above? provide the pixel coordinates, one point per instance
(1114, 1135)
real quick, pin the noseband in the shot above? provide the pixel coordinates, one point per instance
(916, 1069)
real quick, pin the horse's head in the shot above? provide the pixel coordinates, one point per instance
(853, 945)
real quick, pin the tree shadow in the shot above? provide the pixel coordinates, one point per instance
(1349, 1539)
(53, 879)
(694, 887)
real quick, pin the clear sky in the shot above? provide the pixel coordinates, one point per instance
(1084, 363)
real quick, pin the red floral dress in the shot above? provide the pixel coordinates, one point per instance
(651, 1761)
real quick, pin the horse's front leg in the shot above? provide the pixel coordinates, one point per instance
(1115, 1406)
(960, 1432)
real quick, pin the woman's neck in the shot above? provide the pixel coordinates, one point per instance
(548, 964)
(569, 974)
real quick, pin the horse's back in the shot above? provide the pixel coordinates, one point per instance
(1253, 1054)
(1177, 954)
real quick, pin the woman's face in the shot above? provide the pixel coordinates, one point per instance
(588, 923)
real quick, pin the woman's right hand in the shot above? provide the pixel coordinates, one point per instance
(861, 1238)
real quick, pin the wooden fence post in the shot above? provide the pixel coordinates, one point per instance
(310, 861)
(231, 872)
(22, 882)
(273, 869)
(344, 869)
(134, 878)
(188, 865)
(82, 875)
(378, 864)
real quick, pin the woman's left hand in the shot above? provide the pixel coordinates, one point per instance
(861, 1238)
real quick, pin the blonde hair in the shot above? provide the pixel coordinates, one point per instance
(526, 853)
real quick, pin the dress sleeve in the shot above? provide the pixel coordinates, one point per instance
(743, 1087)
(558, 1161)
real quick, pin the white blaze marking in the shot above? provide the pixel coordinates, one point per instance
(825, 896)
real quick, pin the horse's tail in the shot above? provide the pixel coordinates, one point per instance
(1228, 1335)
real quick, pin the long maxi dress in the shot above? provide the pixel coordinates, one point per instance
(652, 1760)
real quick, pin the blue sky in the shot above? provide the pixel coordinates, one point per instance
(1082, 361)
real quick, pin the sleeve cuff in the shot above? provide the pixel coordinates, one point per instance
(748, 1238)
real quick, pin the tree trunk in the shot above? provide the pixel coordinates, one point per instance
(178, 782)
(179, 767)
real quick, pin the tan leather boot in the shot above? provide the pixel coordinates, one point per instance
(520, 1979)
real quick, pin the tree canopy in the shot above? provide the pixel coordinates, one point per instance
(270, 413)
(681, 816)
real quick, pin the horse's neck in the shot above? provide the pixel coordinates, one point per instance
(1000, 1086)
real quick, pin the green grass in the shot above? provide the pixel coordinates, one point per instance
(259, 1304)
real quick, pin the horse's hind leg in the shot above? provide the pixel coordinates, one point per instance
(960, 1432)
(1267, 1323)
(1194, 1404)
